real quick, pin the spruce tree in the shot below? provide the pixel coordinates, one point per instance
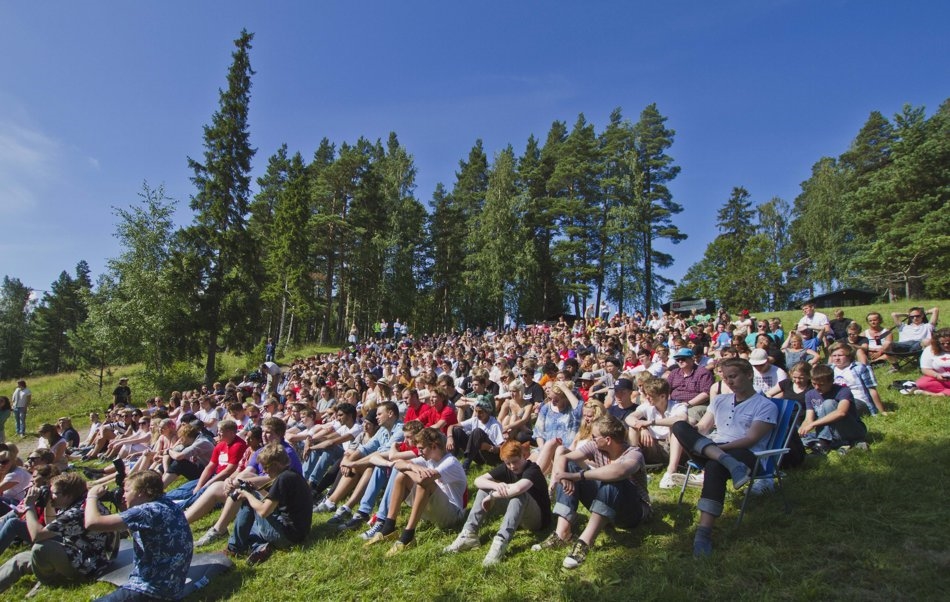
(223, 256)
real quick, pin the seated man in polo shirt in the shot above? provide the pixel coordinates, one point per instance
(689, 384)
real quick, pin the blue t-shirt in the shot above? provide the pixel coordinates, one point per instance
(162, 547)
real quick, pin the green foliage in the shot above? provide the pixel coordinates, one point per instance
(219, 254)
(14, 324)
(61, 310)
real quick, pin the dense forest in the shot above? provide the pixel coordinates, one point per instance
(339, 239)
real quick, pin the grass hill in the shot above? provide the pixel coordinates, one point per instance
(863, 526)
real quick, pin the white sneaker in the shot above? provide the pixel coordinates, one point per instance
(695, 480)
(495, 552)
(667, 481)
(211, 535)
(324, 506)
(465, 541)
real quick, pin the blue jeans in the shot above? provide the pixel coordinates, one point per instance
(20, 415)
(378, 482)
(252, 531)
(841, 432)
(320, 461)
(11, 528)
(186, 493)
(617, 501)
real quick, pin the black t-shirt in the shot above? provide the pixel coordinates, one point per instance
(72, 437)
(294, 504)
(122, 394)
(539, 486)
(533, 393)
(620, 413)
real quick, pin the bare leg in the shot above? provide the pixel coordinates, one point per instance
(212, 496)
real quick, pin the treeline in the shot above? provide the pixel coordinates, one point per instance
(876, 218)
(341, 240)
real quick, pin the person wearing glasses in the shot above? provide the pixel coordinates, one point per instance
(64, 552)
(913, 335)
(606, 474)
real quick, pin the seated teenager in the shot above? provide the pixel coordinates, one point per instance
(64, 552)
(161, 540)
(831, 416)
(557, 423)
(515, 415)
(478, 438)
(935, 365)
(879, 339)
(434, 485)
(281, 519)
(515, 488)
(650, 427)
(606, 475)
(858, 377)
(736, 425)
(323, 450)
(355, 462)
(224, 461)
(188, 457)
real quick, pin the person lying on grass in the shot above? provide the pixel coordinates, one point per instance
(517, 488)
(161, 540)
(736, 425)
(279, 520)
(606, 475)
(435, 486)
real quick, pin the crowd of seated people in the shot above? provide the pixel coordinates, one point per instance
(544, 418)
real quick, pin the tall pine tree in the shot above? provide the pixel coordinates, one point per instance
(223, 257)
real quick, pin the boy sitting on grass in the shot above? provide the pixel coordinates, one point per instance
(517, 488)
(435, 486)
(280, 520)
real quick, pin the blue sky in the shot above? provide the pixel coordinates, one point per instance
(96, 97)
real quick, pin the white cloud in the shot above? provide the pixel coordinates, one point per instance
(27, 164)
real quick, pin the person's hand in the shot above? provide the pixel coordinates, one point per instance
(32, 494)
(646, 438)
(488, 502)
(502, 489)
(96, 491)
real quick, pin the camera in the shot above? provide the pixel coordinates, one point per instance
(42, 496)
(240, 486)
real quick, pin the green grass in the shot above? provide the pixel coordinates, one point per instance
(865, 526)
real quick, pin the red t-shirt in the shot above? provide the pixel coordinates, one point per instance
(447, 414)
(424, 414)
(225, 454)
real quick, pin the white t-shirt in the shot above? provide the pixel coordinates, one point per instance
(939, 363)
(651, 413)
(451, 481)
(765, 381)
(492, 429)
(733, 420)
(915, 332)
(21, 479)
(818, 321)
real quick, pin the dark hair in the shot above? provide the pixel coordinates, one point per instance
(737, 362)
(347, 408)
